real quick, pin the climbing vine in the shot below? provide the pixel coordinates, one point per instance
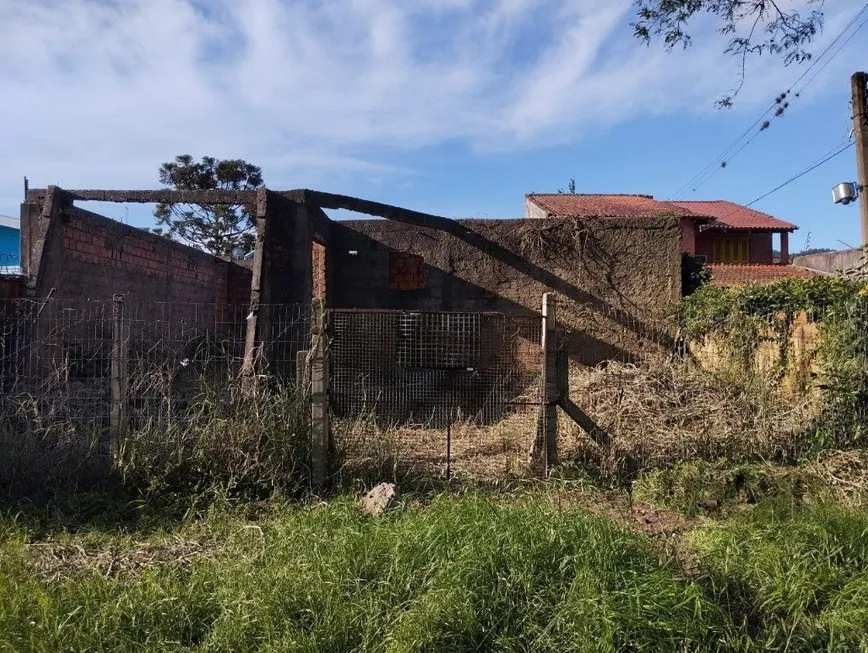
(743, 317)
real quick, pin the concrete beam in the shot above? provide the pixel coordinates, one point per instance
(367, 207)
(152, 196)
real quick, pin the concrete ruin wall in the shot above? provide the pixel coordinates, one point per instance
(614, 277)
(831, 262)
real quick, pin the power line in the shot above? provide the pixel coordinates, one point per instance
(828, 157)
(838, 149)
(715, 165)
(834, 54)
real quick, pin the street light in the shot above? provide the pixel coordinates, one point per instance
(846, 192)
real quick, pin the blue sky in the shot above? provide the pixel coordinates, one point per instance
(456, 107)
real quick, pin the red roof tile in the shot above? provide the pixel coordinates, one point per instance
(606, 206)
(735, 216)
(720, 214)
(736, 275)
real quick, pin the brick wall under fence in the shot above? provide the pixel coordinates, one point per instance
(74, 254)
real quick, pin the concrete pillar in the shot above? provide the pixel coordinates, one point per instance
(544, 454)
(281, 287)
(320, 429)
(38, 222)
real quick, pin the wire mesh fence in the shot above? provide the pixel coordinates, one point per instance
(93, 385)
(188, 389)
(435, 392)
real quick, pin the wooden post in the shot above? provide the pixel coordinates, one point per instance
(319, 396)
(550, 378)
(302, 372)
(119, 378)
(544, 454)
(859, 83)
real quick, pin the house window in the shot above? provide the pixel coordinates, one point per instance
(731, 250)
(406, 271)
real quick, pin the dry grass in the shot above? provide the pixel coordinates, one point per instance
(369, 451)
(844, 474)
(659, 415)
(51, 561)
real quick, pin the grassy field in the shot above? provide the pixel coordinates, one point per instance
(565, 567)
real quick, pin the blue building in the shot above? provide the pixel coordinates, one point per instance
(10, 245)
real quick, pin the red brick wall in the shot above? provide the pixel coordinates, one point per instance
(406, 271)
(88, 256)
(238, 283)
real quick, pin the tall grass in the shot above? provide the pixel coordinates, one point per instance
(797, 575)
(223, 441)
(460, 574)
(44, 446)
(212, 439)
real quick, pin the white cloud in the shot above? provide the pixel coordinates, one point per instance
(97, 93)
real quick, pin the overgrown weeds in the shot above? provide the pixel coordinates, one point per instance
(832, 356)
(466, 573)
(721, 487)
(228, 441)
(658, 415)
(796, 574)
(47, 446)
(213, 439)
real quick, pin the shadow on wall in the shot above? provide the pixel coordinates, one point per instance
(490, 276)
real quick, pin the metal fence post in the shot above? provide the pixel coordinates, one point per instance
(544, 454)
(319, 395)
(119, 376)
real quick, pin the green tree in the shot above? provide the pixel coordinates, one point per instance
(753, 27)
(215, 228)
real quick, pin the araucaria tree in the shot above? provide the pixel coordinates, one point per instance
(215, 228)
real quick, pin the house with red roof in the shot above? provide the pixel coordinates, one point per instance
(735, 240)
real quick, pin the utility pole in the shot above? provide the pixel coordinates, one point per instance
(860, 130)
